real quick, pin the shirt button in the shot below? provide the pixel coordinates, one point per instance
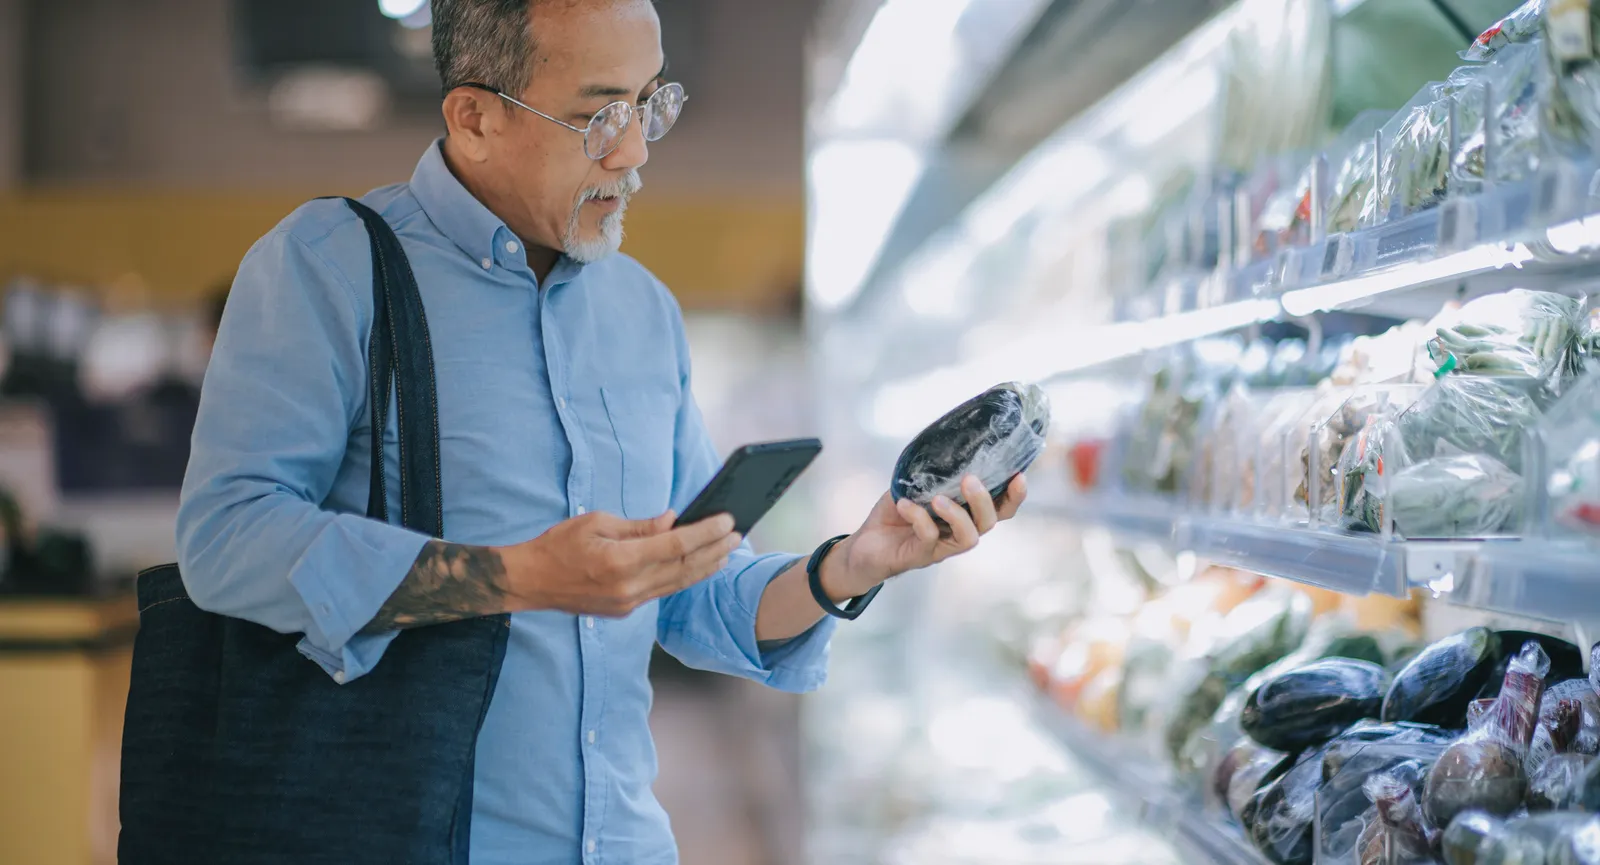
(590, 846)
(338, 678)
(588, 621)
(582, 510)
(561, 402)
(591, 737)
(511, 246)
(487, 263)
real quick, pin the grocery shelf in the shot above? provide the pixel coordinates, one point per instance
(1148, 787)
(1538, 578)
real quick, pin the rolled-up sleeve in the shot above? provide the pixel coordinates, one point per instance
(286, 382)
(712, 625)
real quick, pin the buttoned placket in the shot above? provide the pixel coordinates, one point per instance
(591, 644)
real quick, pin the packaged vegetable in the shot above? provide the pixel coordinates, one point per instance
(1255, 768)
(1454, 496)
(1400, 752)
(1438, 683)
(1522, 24)
(1566, 659)
(1569, 723)
(1484, 768)
(1396, 834)
(1312, 704)
(1557, 785)
(1505, 100)
(1363, 474)
(1336, 419)
(1473, 415)
(995, 435)
(1278, 819)
(1277, 439)
(1524, 334)
(1415, 163)
(1541, 839)
(1353, 172)
(1469, 835)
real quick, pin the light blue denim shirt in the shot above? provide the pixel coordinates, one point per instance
(554, 399)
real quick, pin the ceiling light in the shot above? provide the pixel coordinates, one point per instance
(401, 8)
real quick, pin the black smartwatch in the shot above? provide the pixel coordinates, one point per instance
(856, 605)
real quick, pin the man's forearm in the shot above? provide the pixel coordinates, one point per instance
(447, 583)
(787, 609)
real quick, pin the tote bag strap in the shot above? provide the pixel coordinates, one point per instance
(400, 357)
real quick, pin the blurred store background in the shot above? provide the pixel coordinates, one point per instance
(1163, 210)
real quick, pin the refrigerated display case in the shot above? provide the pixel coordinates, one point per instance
(1308, 569)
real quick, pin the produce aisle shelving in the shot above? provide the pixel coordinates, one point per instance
(1322, 399)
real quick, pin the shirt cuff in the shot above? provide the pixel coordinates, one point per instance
(344, 578)
(798, 664)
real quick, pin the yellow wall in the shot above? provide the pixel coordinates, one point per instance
(712, 253)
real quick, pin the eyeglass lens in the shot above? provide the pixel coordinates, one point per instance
(658, 114)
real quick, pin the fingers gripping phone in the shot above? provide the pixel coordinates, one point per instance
(751, 482)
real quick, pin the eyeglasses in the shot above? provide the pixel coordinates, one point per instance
(605, 130)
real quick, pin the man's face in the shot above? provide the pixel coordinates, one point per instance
(589, 54)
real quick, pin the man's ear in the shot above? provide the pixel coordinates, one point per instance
(472, 116)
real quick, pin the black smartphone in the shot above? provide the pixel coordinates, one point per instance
(751, 482)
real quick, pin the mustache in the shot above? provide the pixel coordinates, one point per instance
(623, 187)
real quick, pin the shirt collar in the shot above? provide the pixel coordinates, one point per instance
(461, 217)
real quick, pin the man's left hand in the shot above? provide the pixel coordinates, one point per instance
(900, 536)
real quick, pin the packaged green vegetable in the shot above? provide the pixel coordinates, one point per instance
(1455, 496)
(1470, 414)
(1518, 334)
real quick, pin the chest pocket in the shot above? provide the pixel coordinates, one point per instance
(644, 423)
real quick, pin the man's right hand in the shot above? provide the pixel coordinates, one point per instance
(603, 565)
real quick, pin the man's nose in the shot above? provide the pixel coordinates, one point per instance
(632, 152)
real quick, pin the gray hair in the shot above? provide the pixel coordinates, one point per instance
(484, 42)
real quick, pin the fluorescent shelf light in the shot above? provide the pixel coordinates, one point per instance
(1481, 259)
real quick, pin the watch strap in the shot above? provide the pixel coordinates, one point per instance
(855, 606)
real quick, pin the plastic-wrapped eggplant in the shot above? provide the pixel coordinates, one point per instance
(1566, 659)
(995, 435)
(1484, 769)
(1541, 839)
(1397, 834)
(1280, 816)
(1439, 682)
(1357, 743)
(1263, 768)
(1399, 751)
(1246, 764)
(1469, 835)
(1557, 785)
(1313, 704)
(1569, 722)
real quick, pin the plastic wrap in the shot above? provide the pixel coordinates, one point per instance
(1472, 414)
(1568, 448)
(1569, 723)
(1438, 683)
(1454, 496)
(1484, 769)
(1521, 25)
(1541, 839)
(1396, 833)
(1515, 334)
(1280, 435)
(1160, 445)
(1314, 703)
(1566, 659)
(1363, 474)
(1415, 163)
(1260, 767)
(1557, 785)
(1279, 817)
(1351, 163)
(1505, 99)
(995, 436)
(1401, 753)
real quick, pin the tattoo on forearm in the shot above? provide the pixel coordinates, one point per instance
(447, 583)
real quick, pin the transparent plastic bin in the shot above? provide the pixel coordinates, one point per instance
(1268, 500)
(1335, 419)
(1562, 457)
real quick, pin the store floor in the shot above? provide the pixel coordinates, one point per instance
(728, 752)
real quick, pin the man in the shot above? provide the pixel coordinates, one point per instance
(567, 436)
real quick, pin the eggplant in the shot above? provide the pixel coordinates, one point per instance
(1439, 682)
(1281, 814)
(1566, 660)
(995, 435)
(1358, 741)
(1469, 835)
(1267, 766)
(1395, 832)
(1312, 704)
(1558, 784)
(1482, 774)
